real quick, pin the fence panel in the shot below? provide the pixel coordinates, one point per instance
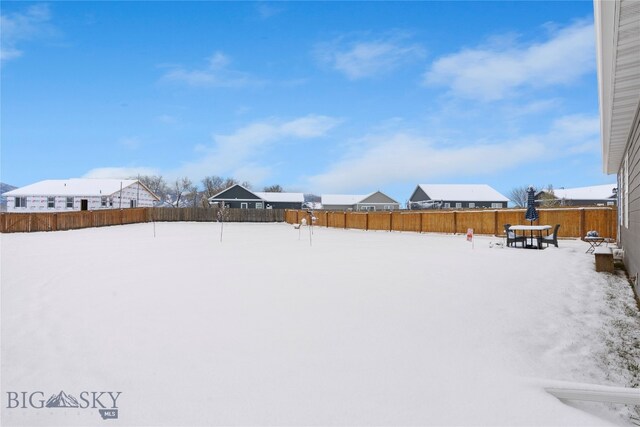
(511, 216)
(379, 221)
(357, 220)
(406, 221)
(574, 222)
(482, 222)
(601, 220)
(569, 219)
(438, 222)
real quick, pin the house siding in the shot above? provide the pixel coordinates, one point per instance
(419, 195)
(630, 233)
(236, 192)
(284, 205)
(39, 203)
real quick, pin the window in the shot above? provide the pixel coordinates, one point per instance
(258, 205)
(103, 201)
(472, 205)
(447, 205)
(496, 205)
(20, 202)
(132, 203)
(611, 203)
(458, 205)
(244, 205)
(51, 202)
(69, 202)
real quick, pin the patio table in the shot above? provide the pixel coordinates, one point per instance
(531, 228)
(593, 242)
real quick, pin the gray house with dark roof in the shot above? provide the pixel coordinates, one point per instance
(239, 197)
(445, 196)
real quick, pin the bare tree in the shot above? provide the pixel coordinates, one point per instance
(212, 185)
(193, 191)
(273, 189)
(518, 196)
(246, 184)
(181, 186)
(155, 183)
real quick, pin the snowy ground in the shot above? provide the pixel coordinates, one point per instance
(362, 328)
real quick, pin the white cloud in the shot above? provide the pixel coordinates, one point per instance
(367, 58)
(497, 71)
(382, 160)
(242, 154)
(20, 27)
(403, 157)
(120, 172)
(215, 74)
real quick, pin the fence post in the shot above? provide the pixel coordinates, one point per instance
(495, 223)
(455, 222)
(582, 224)
(390, 221)
(366, 222)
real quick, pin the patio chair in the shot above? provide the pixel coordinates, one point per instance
(551, 238)
(512, 238)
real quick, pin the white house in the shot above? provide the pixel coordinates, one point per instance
(79, 194)
(456, 196)
(376, 201)
(617, 25)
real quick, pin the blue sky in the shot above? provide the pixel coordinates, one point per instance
(320, 97)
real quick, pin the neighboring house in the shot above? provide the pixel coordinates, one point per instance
(376, 201)
(240, 197)
(618, 52)
(79, 194)
(447, 196)
(597, 195)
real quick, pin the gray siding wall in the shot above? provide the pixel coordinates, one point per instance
(337, 207)
(465, 204)
(419, 195)
(630, 236)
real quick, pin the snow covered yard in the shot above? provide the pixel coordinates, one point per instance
(362, 328)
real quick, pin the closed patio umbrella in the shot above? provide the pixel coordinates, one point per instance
(531, 214)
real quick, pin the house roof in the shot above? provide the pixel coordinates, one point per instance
(73, 187)
(280, 197)
(463, 192)
(342, 199)
(216, 197)
(595, 192)
(617, 25)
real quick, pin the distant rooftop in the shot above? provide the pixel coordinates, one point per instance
(342, 199)
(72, 187)
(595, 192)
(280, 197)
(473, 192)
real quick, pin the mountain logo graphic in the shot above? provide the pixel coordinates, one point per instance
(62, 400)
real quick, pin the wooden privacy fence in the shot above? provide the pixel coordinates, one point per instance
(11, 222)
(574, 222)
